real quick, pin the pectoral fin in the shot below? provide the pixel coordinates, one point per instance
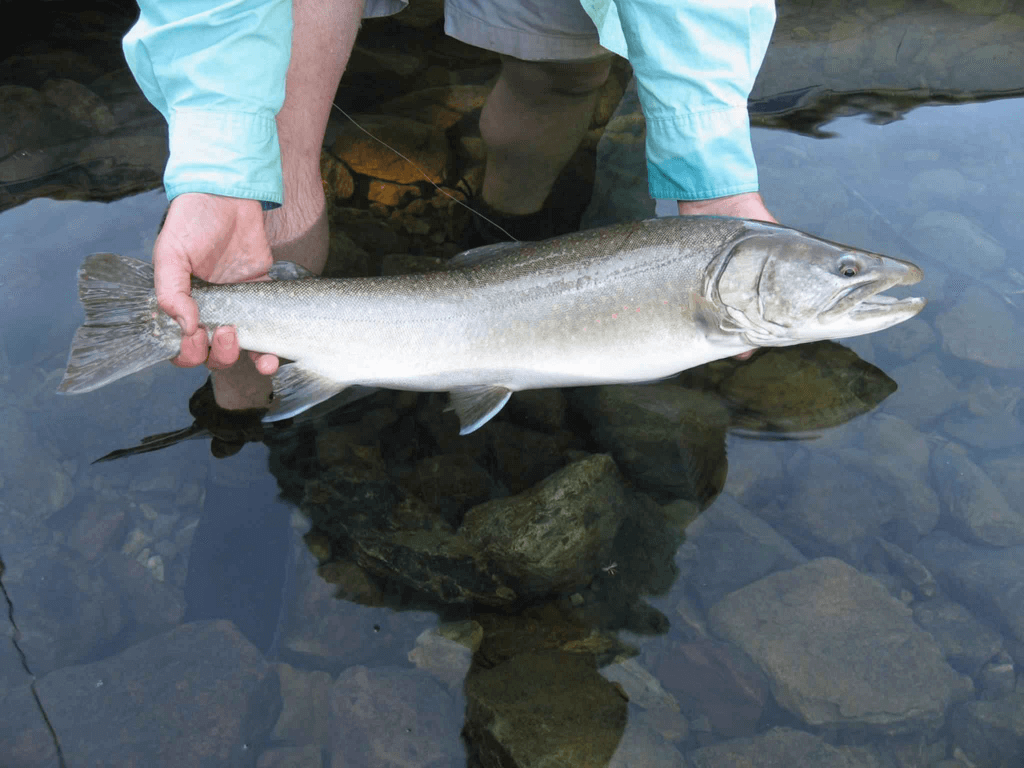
(288, 270)
(475, 406)
(296, 389)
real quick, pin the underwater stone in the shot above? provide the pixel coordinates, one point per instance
(387, 716)
(558, 534)
(778, 747)
(966, 642)
(817, 631)
(973, 505)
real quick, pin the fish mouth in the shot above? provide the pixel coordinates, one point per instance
(867, 300)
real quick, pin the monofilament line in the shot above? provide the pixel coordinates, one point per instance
(422, 172)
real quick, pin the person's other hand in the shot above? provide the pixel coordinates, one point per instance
(220, 240)
(748, 205)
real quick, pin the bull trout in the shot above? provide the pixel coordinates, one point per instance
(632, 302)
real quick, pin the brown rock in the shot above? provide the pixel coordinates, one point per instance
(537, 706)
(424, 148)
(441, 107)
(338, 183)
(385, 193)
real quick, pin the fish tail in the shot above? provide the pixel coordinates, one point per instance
(124, 330)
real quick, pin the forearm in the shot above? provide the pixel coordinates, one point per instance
(695, 64)
(216, 71)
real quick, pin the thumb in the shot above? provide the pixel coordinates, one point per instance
(173, 286)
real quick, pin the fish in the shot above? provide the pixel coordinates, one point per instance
(632, 302)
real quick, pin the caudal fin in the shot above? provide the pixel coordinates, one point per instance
(124, 331)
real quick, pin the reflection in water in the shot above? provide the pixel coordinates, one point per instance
(848, 600)
(405, 515)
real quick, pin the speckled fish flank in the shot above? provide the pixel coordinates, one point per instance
(628, 303)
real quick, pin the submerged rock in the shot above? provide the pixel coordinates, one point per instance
(556, 535)
(539, 705)
(391, 716)
(717, 681)
(839, 650)
(732, 548)
(973, 505)
(801, 388)
(446, 652)
(983, 329)
(204, 680)
(966, 642)
(778, 747)
(987, 579)
(991, 732)
(424, 145)
(947, 235)
(305, 707)
(669, 440)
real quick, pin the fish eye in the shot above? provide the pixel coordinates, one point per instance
(848, 269)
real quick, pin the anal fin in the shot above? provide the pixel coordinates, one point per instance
(477, 405)
(296, 389)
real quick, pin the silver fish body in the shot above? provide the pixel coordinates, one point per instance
(627, 303)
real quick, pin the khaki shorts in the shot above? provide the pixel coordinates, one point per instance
(533, 30)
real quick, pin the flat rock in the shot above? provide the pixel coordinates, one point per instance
(386, 716)
(980, 327)
(305, 707)
(732, 548)
(65, 607)
(716, 681)
(839, 650)
(204, 680)
(988, 580)
(966, 642)
(948, 235)
(44, 484)
(842, 498)
(973, 505)
(924, 374)
(1007, 473)
(991, 732)
(778, 747)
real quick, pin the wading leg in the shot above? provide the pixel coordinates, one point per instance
(532, 123)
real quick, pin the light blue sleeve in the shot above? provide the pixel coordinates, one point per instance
(216, 70)
(695, 63)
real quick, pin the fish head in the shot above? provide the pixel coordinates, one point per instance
(781, 287)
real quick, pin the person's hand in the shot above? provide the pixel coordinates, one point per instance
(217, 239)
(748, 205)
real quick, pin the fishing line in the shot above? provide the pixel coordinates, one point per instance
(422, 172)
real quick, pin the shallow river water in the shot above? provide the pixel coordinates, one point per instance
(813, 558)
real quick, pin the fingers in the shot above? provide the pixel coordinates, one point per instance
(172, 294)
(223, 349)
(193, 350)
(265, 364)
